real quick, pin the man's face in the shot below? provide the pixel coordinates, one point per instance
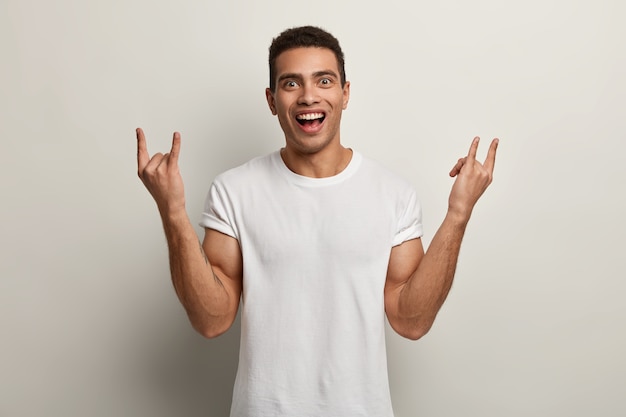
(309, 98)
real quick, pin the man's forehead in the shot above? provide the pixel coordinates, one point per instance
(306, 60)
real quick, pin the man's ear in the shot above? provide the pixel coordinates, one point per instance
(269, 96)
(346, 94)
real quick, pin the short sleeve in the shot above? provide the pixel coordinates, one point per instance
(218, 212)
(410, 222)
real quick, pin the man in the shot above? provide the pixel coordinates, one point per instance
(318, 242)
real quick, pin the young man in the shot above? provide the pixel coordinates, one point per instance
(318, 242)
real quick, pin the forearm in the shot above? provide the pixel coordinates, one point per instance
(426, 290)
(418, 283)
(203, 295)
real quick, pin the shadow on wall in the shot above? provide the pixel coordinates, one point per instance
(232, 139)
(185, 374)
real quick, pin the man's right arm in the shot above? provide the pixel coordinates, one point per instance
(207, 277)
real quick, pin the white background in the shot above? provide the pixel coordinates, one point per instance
(535, 323)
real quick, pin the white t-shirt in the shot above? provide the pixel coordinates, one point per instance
(315, 256)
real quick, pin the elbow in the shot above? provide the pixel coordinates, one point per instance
(412, 330)
(209, 332)
(211, 328)
(416, 333)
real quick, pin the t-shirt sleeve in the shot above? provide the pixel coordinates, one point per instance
(218, 212)
(410, 221)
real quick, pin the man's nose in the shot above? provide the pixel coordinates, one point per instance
(309, 95)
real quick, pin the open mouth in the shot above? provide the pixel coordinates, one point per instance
(310, 119)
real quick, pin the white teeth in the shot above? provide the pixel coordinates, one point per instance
(310, 116)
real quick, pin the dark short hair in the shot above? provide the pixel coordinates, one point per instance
(304, 37)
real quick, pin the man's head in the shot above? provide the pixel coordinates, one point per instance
(303, 37)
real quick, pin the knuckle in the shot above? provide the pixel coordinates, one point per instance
(143, 173)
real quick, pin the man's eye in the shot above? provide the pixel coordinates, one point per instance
(326, 81)
(291, 84)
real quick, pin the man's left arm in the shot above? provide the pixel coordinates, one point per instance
(417, 282)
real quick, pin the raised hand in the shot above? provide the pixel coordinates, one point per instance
(160, 174)
(472, 179)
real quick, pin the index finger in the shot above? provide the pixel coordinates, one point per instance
(490, 161)
(142, 150)
(473, 148)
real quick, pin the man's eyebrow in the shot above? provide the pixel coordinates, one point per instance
(316, 74)
(325, 73)
(289, 75)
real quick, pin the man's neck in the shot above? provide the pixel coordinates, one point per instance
(323, 164)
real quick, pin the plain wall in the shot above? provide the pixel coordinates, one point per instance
(535, 322)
